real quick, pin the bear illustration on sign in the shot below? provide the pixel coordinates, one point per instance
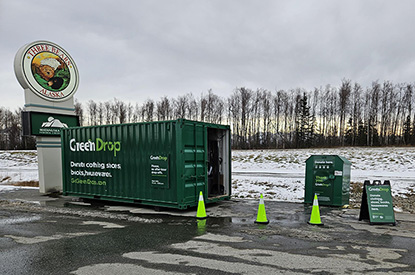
(50, 71)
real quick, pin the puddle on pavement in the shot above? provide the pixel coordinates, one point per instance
(19, 220)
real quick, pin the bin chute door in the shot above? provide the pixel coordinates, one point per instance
(324, 182)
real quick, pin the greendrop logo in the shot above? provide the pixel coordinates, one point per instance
(47, 70)
(163, 158)
(379, 189)
(98, 145)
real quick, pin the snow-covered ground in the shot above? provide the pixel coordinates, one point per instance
(17, 166)
(278, 174)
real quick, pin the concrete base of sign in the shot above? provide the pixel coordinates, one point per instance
(49, 148)
(50, 164)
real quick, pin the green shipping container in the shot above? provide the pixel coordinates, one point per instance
(156, 163)
(328, 176)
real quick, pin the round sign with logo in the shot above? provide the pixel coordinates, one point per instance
(47, 70)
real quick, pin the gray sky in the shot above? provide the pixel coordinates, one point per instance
(138, 50)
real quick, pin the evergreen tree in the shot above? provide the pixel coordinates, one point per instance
(304, 123)
(407, 130)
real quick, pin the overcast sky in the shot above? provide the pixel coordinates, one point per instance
(138, 50)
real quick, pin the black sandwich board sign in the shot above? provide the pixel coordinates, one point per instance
(377, 204)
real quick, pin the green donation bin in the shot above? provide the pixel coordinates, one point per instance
(328, 176)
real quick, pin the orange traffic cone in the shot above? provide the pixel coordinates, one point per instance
(315, 213)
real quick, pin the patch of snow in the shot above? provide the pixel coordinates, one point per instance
(17, 166)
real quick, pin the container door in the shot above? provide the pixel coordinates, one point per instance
(194, 155)
(218, 162)
(324, 182)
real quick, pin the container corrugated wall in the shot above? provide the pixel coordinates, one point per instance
(156, 163)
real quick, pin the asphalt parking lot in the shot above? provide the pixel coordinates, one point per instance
(63, 235)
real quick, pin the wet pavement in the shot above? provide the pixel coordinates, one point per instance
(63, 235)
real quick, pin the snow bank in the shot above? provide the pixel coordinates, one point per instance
(278, 174)
(17, 166)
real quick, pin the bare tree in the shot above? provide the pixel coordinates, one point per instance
(79, 111)
(373, 114)
(100, 113)
(387, 105)
(92, 112)
(193, 107)
(234, 118)
(211, 108)
(108, 112)
(246, 107)
(163, 109)
(180, 107)
(147, 111)
(355, 114)
(121, 110)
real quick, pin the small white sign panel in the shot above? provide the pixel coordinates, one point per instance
(338, 173)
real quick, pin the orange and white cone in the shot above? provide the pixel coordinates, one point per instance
(315, 213)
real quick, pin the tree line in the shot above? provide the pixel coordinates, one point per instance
(347, 115)
(11, 131)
